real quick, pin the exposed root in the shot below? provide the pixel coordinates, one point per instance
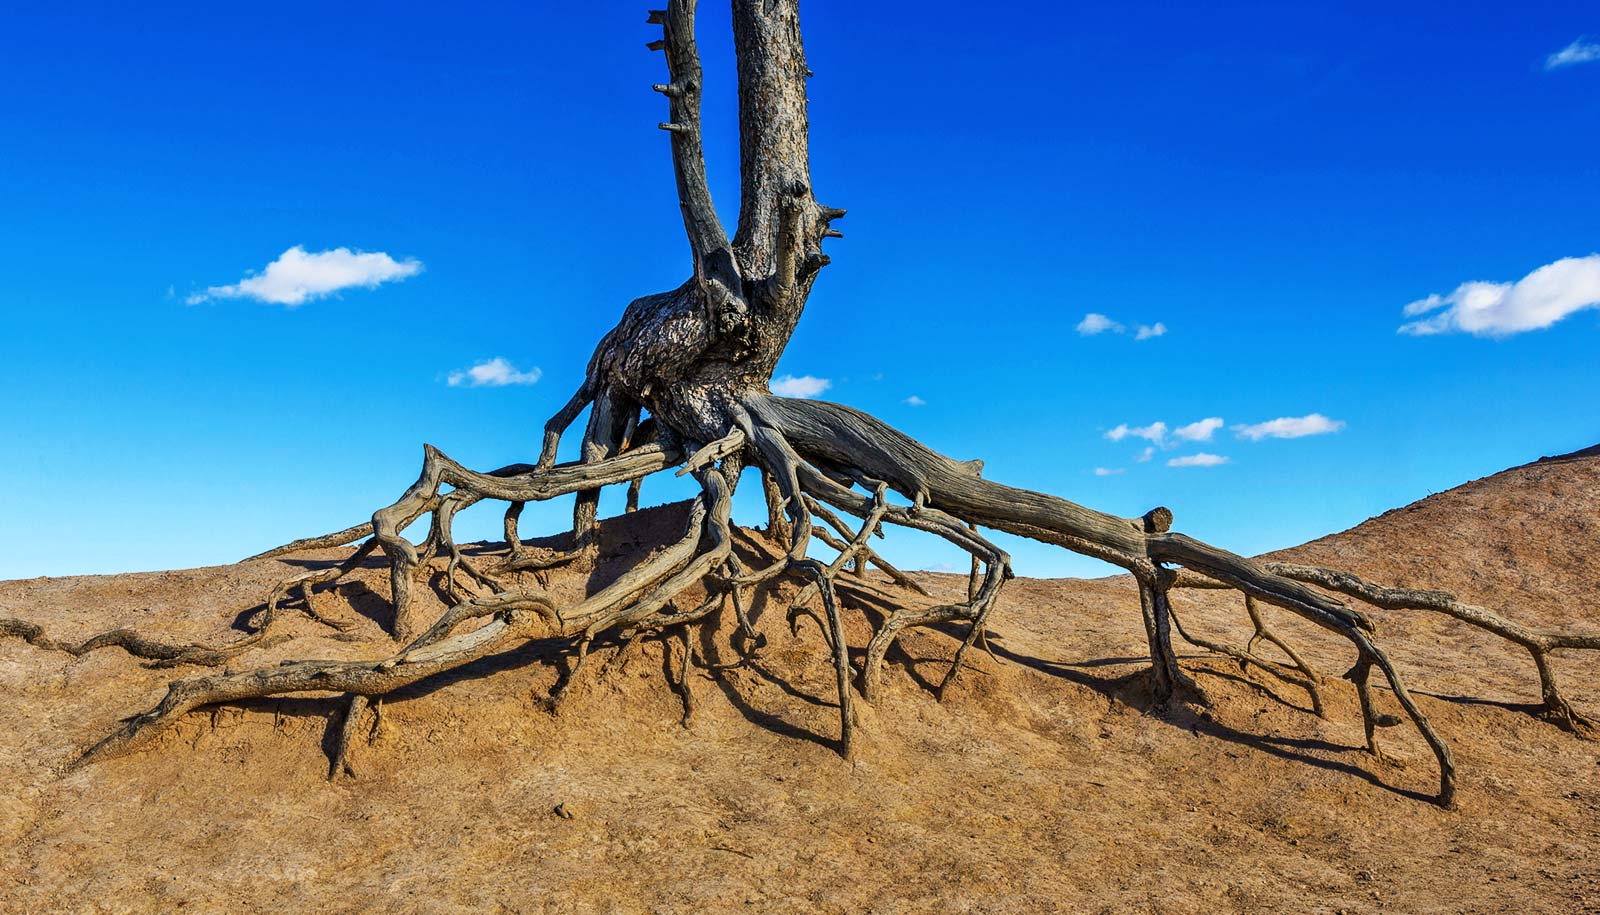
(517, 483)
(1300, 674)
(680, 679)
(1167, 678)
(975, 633)
(865, 551)
(841, 654)
(340, 766)
(326, 541)
(1553, 705)
(815, 457)
(997, 570)
(514, 617)
(563, 688)
(838, 442)
(777, 519)
(1371, 720)
(164, 654)
(749, 642)
(307, 583)
(368, 678)
(1371, 654)
(1313, 680)
(847, 551)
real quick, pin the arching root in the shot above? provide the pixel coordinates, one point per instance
(1300, 673)
(516, 483)
(863, 551)
(819, 459)
(513, 617)
(825, 447)
(1553, 704)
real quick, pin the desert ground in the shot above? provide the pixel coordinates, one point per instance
(1043, 782)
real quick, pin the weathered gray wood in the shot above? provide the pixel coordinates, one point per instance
(1538, 644)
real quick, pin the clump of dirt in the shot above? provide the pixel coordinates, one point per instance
(1043, 782)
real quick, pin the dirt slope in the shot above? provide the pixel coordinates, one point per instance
(1040, 785)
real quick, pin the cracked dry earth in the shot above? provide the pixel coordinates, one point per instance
(1043, 783)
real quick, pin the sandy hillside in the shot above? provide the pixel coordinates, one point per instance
(1043, 783)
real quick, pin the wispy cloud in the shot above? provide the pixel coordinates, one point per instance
(1198, 431)
(298, 276)
(914, 401)
(1536, 301)
(492, 373)
(802, 386)
(1154, 432)
(1109, 471)
(1095, 323)
(1145, 455)
(1198, 460)
(1289, 427)
(1581, 51)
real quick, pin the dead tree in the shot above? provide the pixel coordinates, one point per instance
(681, 383)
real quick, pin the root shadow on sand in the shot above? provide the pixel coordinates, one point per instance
(1132, 690)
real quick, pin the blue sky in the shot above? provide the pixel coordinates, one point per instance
(1271, 183)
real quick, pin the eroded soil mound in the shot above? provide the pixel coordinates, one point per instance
(1043, 783)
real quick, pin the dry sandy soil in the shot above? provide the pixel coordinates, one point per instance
(1043, 782)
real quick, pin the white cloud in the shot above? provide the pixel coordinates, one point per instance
(803, 386)
(1536, 301)
(1145, 455)
(1198, 431)
(1094, 323)
(1198, 460)
(297, 277)
(1108, 471)
(914, 401)
(1581, 51)
(492, 373)
(1154, 432)
(1290, 427)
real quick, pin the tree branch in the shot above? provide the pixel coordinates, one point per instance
(713, 260)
